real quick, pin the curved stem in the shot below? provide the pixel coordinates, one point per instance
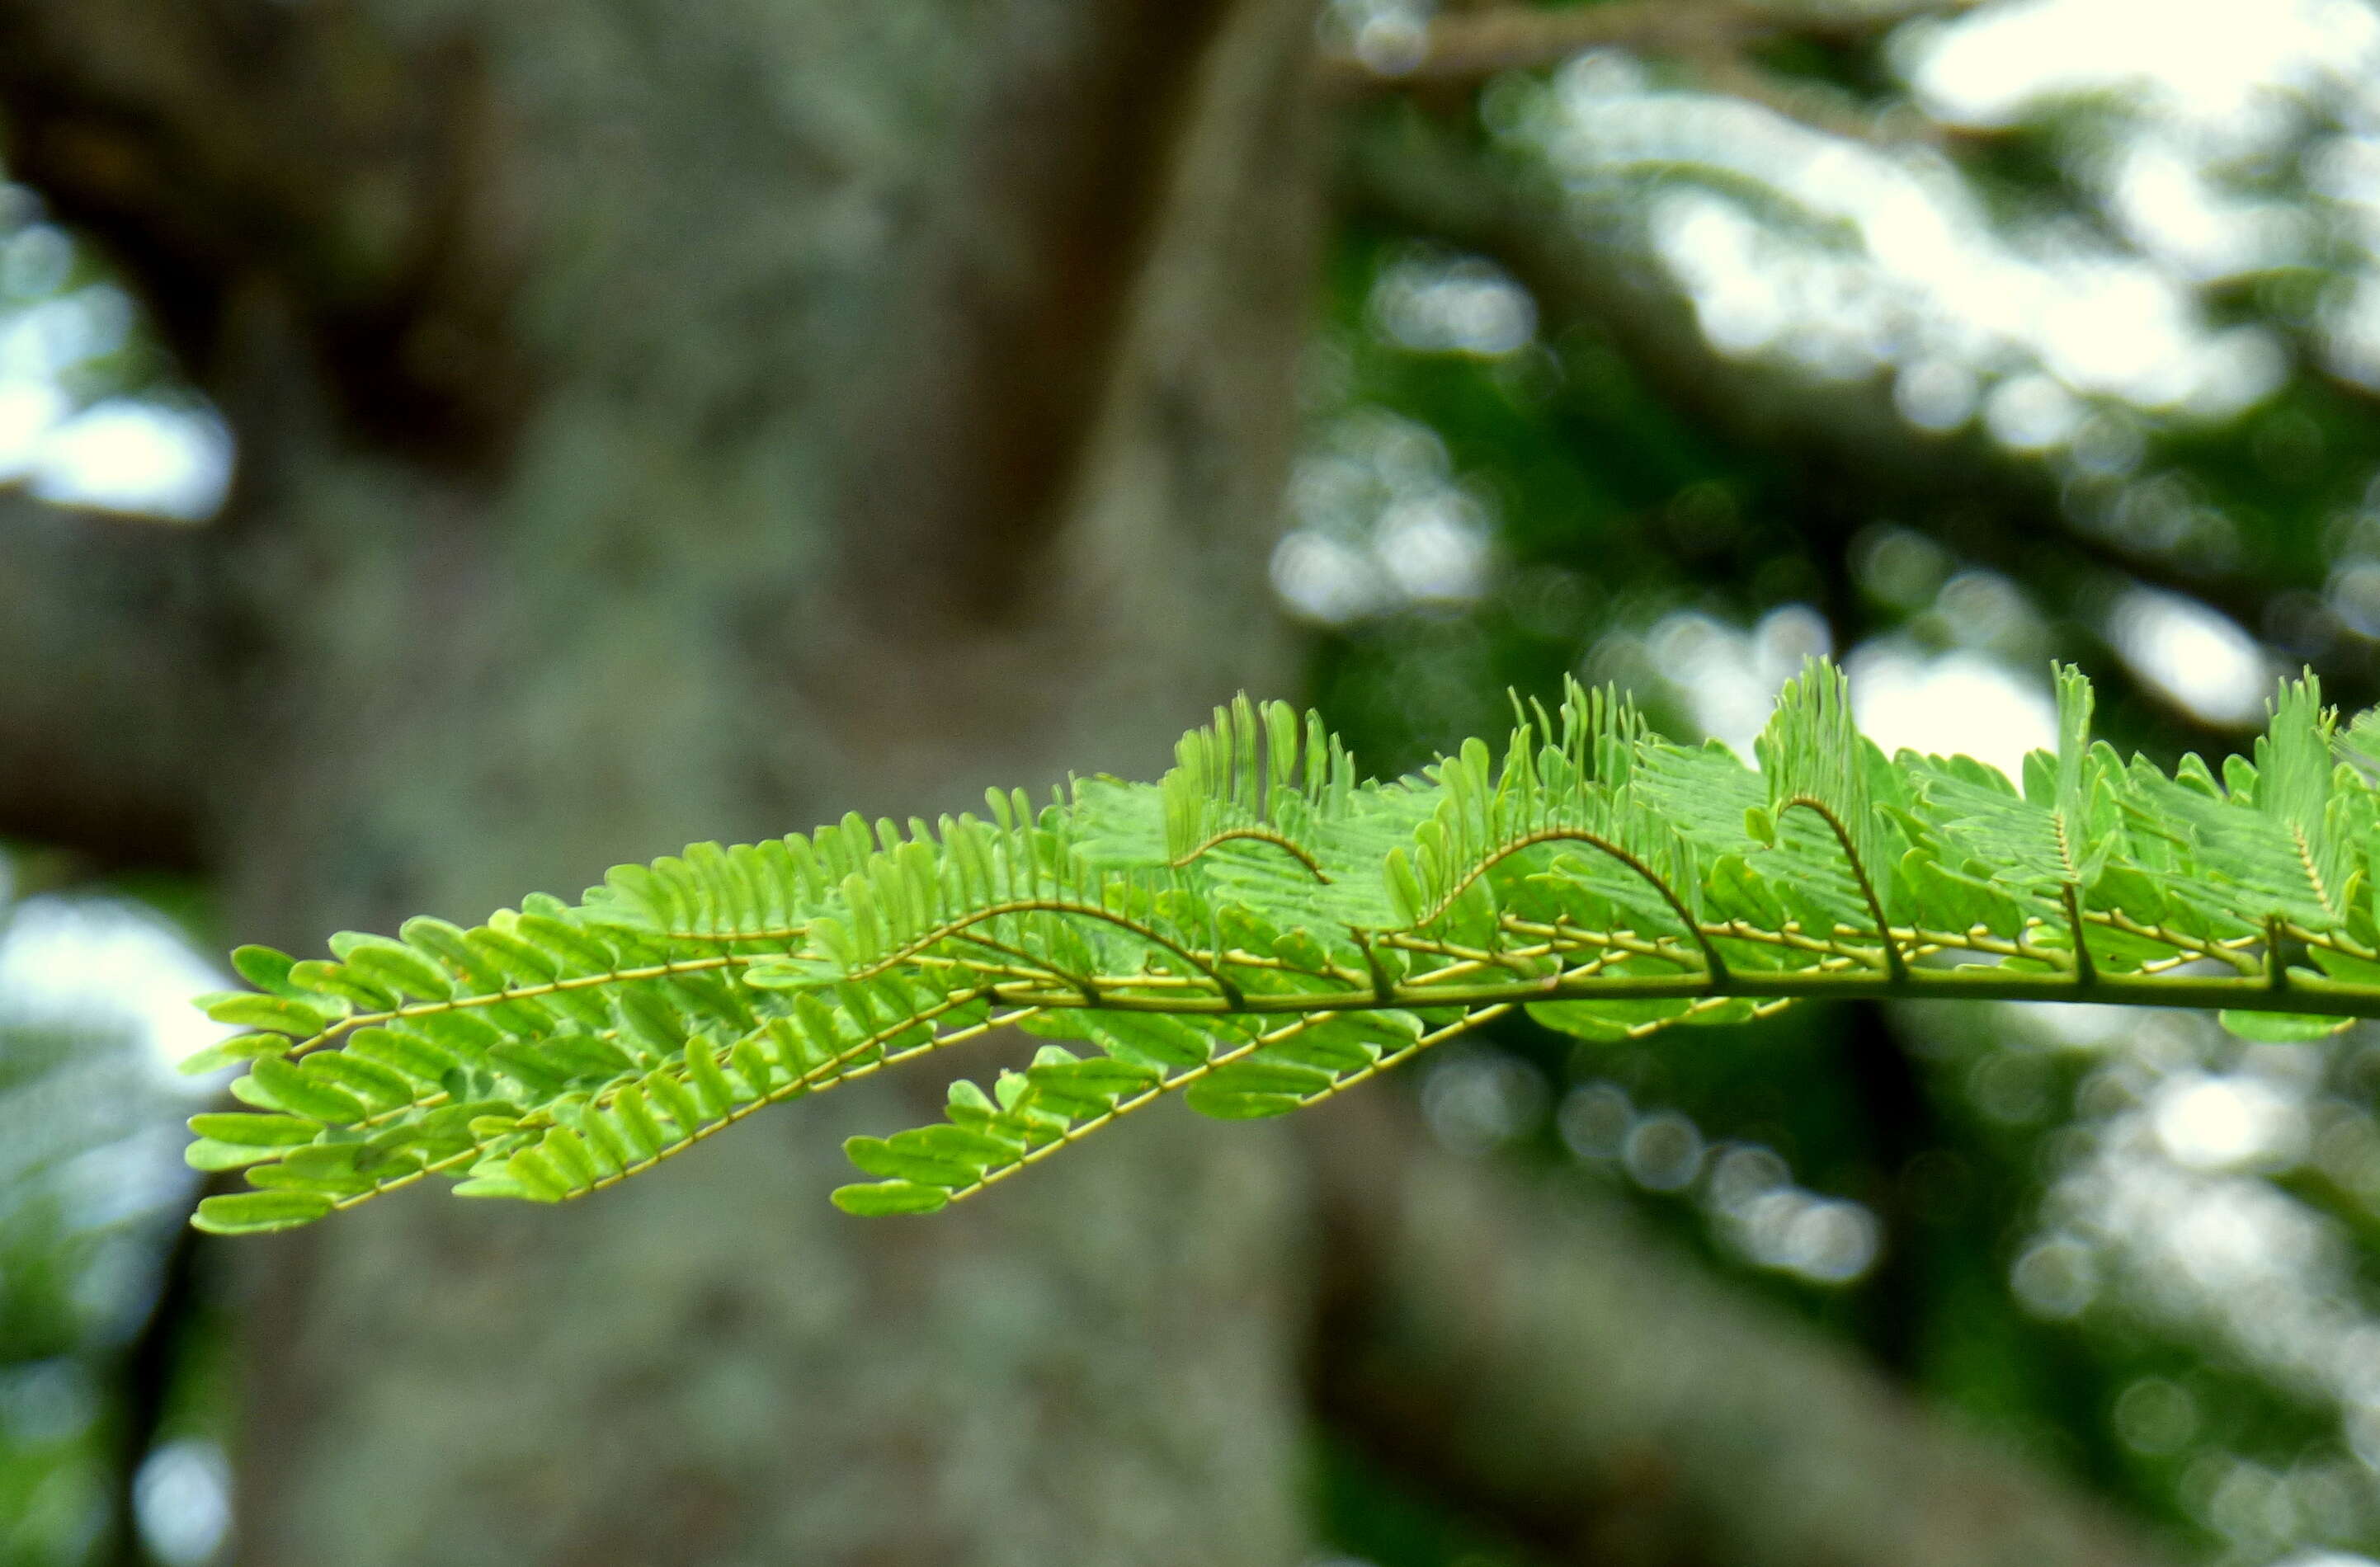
(1894, 964)
(836, 1070)
(339, 1028)
(2086, 972)
(1381, 984)
(1259, 836)
(942, 932)
(1074, 1134)
(1082, 983)
(1711, 960)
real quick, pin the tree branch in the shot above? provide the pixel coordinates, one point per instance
(245, 161)
(1471, 44)
(1537, 1352)
(1589, 266)
(110, 682)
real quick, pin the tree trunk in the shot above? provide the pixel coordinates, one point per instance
(661, 422)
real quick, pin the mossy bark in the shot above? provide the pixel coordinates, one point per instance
(662, 421)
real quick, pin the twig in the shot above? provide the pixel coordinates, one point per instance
(1471, 45)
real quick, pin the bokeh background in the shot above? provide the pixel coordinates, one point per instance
(1662, 345)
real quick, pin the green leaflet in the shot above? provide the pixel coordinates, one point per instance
(208, 1153)
(2281, 1027)
(1248, 1090)
(256, 1213)
(279, 1014)
(255, 1131)
(1262, 927)
(890, 1196)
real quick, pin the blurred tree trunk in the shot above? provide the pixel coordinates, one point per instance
(664, 422)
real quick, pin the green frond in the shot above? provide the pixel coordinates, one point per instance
(1262, 929)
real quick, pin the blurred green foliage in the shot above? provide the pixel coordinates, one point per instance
(1990, 1150)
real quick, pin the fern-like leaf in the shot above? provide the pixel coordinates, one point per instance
(1262, 929)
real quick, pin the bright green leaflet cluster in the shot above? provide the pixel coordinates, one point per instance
(1260, 931)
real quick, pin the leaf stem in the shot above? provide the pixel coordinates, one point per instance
(1894, 964)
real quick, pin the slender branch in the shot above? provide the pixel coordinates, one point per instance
(1382, 986)
(110, 681)
(1843, 977)
(1180, 1080)
(1469, 45)
(2086, 972)
(2012, 949)
(1082, 983)
(844, 1066)
(339, 1028)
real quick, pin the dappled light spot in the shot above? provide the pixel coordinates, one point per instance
(1594, 1118)
(29, 408)
(89, 416)
(1324, 578)
(1826, 1241)
(1388, 37)
(137, 456)
(1776, 1225)
(1434, 548)
(1452, 305)
(52, 338)
(2196, 655)
(2033, 413)
(46, 1402)
(1381, 525)
(1746, 1190)
(1953, 703)
(181, 1499)
(1663, 1152)
(1936, 395)
(2228, 1122)
(1903, 568)
(1728, 678)
(1475, 1102)
(82, 960)
(2220, 64)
